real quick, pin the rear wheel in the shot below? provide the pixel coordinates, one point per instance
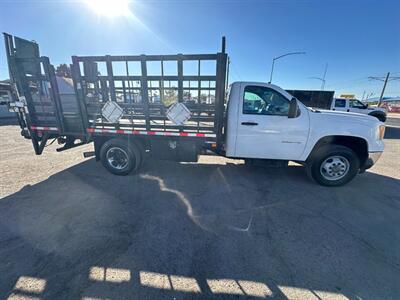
(121, 157)
(333, 165)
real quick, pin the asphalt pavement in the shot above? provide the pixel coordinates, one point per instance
(217, 229)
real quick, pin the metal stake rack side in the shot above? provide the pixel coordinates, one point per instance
(135, 93)
(143, 95)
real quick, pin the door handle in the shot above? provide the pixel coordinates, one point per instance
(249, 123)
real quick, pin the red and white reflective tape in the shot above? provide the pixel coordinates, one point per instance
(143, 132)
(40, 128)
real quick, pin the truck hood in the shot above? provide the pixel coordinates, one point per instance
(325, 123)
(345, 117)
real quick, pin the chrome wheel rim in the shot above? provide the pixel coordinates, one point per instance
(335, 167)
(117, 158)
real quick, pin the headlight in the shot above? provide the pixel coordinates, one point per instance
(381, 132)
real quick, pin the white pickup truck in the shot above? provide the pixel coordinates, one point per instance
(356, 106)
(192, 115)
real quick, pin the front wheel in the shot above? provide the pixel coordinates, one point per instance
(120, 157)
(380, 117)
(333, 165)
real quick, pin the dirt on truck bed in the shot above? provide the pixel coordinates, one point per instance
(213, 230)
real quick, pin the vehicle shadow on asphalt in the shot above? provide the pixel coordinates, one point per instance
(199, 231)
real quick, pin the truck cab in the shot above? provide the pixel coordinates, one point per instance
(259, 125)
(356, 106)
(266, 122)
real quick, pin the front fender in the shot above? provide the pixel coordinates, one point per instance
(329, 125)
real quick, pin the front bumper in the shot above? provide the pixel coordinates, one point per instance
(373, 157)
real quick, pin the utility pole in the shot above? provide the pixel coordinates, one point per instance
(383, 89)
(369, 95)
(323, 78)
(385, 81)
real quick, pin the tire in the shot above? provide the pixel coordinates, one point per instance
(380, 117)
(333, 165)
(121, 157)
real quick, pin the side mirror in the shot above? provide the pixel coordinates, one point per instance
(293, 109)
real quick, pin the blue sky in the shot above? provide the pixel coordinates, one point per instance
(356, 38)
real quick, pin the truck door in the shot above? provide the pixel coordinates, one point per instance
(340, 105)
(357, 106)
(264, 129)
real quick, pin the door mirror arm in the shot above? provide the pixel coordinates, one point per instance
(293, 109)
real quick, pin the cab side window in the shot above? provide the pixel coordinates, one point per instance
(259, 100)
(356, 104)
(340, 103)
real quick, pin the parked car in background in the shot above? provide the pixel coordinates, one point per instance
(325, 100)
(391, 105)
(356, 106)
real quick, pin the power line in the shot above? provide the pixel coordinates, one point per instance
(387, 77)
(236, 73)
(348, 82)
(385, 80)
